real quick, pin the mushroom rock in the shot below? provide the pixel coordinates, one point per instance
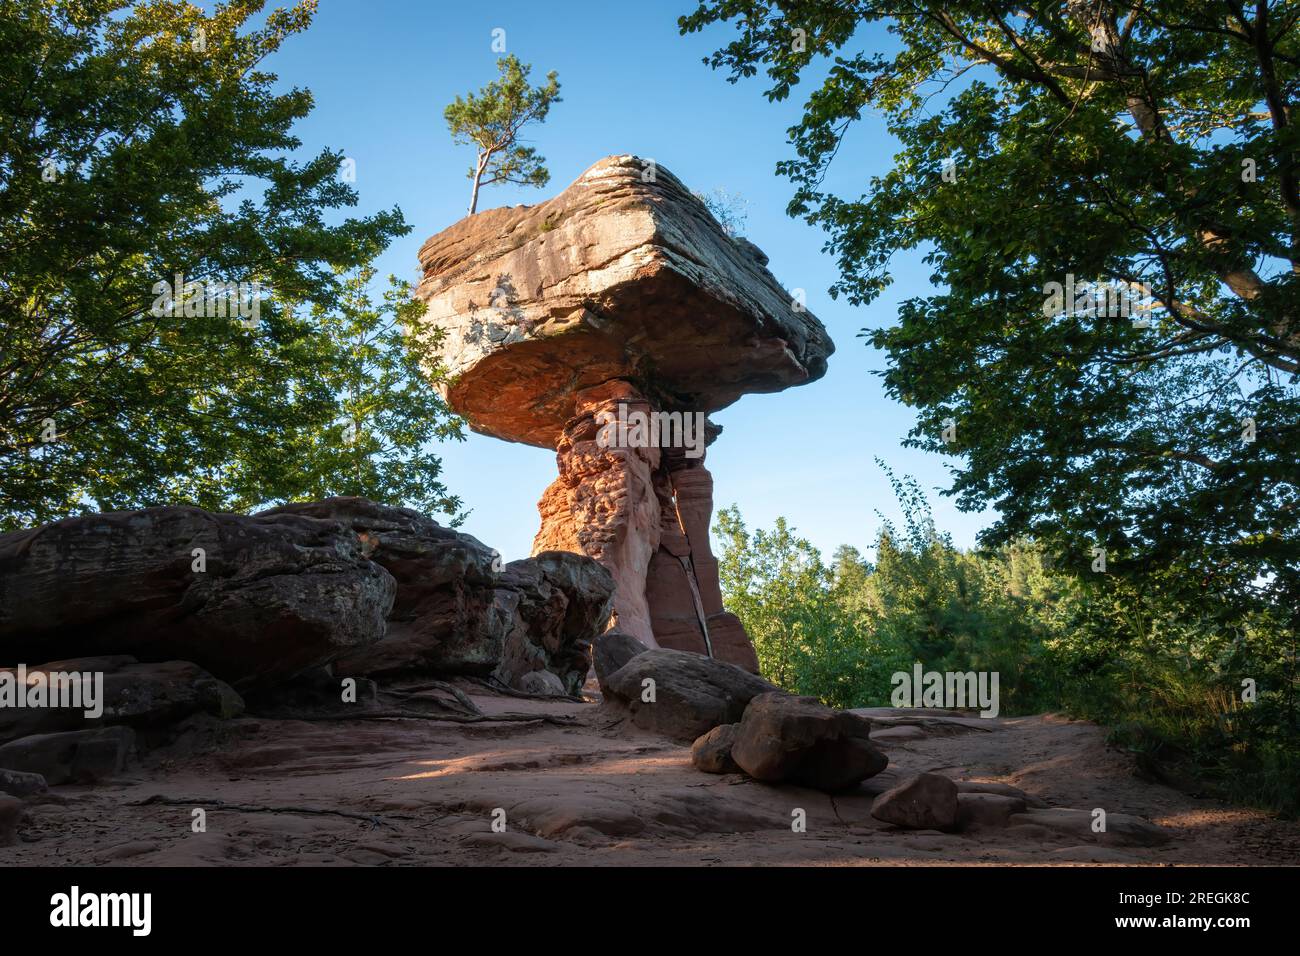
(621, 300)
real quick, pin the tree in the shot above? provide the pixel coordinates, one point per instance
(1108, 195)
(388, 412)
(491, 121)
(806, 640)
(161, 258)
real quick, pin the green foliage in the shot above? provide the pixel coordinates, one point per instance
(1118, 142)
(142, 141)
(1099, 647)
(491, 121)
(806, 640)
(956, 611)
(387, 412)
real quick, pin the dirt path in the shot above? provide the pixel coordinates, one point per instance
(595, 793)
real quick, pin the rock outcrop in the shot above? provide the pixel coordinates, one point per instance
(456, 610)
(568, 325)
(143, 696)
(73, 756)
(201, 600)
(249, 599)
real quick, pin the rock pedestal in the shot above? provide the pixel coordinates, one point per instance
(621, 296)
(643, 512)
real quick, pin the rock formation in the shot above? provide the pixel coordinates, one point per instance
(620, 297)
(249, 599)
(681, 695)
(160, 614)
(257, 601)
(456, 610)
(802, 741)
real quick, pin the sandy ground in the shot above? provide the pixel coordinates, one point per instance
(412, 792)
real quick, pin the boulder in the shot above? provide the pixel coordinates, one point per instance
(924, 802)
(17, 783)
(75, 756)
(559, 603)
(443, 579)
(457, 610)
(542, 683)
(621, 292)
(589, 589)
(800, 740)
(443, 616)
(141, 695)
(682, 695)
(251, 600)
(711, 752)
(611, 651)
(1122, 829)
(986, 811)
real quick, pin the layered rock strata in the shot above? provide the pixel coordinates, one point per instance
(570, 325)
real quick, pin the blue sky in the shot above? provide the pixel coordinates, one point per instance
(382, 71)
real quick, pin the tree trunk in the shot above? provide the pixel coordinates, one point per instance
(478, 174)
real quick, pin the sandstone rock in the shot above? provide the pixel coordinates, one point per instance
(896, 736)
(799, 740)
(605, 499)
(141, 695)
(11, 814)
(125, 851)
(692, 694)
(611, 651)
(443, 616)
(542, 682)
(1122, 829)
(712, 751)
(619, 276)
(925, 802)
(562, 815)
(560, 602)
(623, 293)
(589, 589)
(458, 611)
(984, 811)
(76, 756)
(690, 811)
(509, 841)
(278, 594)
(1002, 789)
(17, 783)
